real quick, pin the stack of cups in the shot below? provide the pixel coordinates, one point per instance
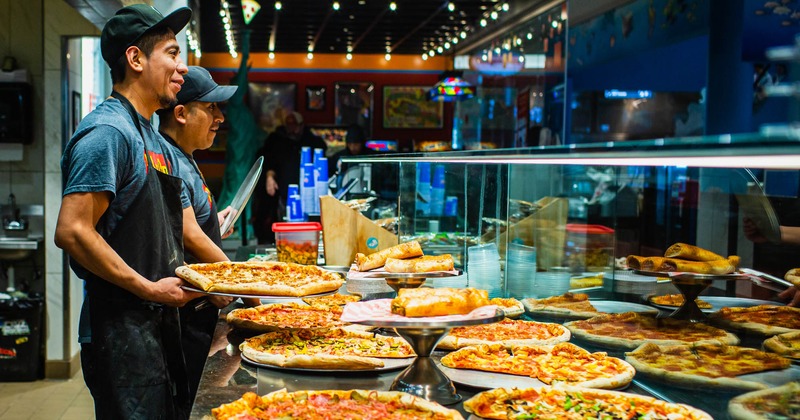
(483, 269)
(520, 271)
(554, 282)
(294, 205)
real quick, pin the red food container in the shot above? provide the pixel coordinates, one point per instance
(297, 242)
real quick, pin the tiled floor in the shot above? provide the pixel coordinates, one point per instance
(49, 399)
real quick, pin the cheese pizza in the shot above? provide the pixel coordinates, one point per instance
(786, 344)
(280, 316)
(564, 363)
(707, 366)
(267, 278)
(569, 305)
(324, 349)
(331, 300)
(761, 319)
(629, 330)
(333, 405)
(508, 332)
(782, 402)
(569, 402)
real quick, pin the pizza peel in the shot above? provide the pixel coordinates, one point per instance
(242, 195)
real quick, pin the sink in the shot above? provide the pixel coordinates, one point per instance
(16, 249)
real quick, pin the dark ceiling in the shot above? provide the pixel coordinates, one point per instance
(367, 26)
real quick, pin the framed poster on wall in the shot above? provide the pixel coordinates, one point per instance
(315, 98)
(409, 107)
(354, 105)
(271, 102)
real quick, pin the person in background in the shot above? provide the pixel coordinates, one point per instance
(281, 153)
(191, 125)
(121, 223)
(355, 145)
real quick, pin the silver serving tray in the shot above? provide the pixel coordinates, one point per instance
(692, 276)
(719, 302)
(388, 364)
(602, 306)
(242, 295)
(387, 275)
(490, 380)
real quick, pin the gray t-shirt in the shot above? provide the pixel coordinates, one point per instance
(106, 153)
(199, 196)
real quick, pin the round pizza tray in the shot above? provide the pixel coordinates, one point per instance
(692, 276)
(242, 295)
(408, 322)
(387, 275)
(388, 364)
(719, 302)
(602, 306)
(490, 380)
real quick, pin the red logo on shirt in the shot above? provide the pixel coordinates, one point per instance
(159, 162)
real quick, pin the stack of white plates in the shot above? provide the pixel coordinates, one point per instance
(627, 282)
(483, 269)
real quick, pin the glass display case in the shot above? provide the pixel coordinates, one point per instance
(574, 213)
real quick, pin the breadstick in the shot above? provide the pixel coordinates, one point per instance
(700, 267)
(652, 263)
(378, 259)
(634, 262)
(691, 252)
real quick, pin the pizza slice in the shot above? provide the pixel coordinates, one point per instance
(511, 307)
(786, 345)
(569, 305)
(676, 300)
(280, 316)
(782, 402)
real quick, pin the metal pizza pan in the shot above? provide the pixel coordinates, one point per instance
(242, 195)
(602, 306)
(388, 364)
(265, 297)
(490, 380)
(719, 302)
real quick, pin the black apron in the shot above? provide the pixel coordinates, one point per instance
(197, 326)
(134, 365)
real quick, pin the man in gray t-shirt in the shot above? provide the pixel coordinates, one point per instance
(121, 222)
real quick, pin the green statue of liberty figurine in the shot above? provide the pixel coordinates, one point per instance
(245, 137)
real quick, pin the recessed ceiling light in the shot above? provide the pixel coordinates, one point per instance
(278, 5)
(310, 56)
(393, 6)
(348, 56)
(387, 56)
(271, 55)
(336, 5)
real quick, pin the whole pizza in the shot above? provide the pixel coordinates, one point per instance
(556, 403)
(629, 330)
(324, 349)
(705, 366)
(781, 402)
(267, 278)
(761, 319)
(333, 405)
(569, 306)
(564, 363)
(508, 332)
(281, 316)
(786, 344)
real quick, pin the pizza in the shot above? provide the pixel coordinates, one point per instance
(508, 332)
(629, 330)
(420, 302)
(334, 405)
(564, 363)
(511, 307)
(761, 319)
(324, 349)
(331, 300)
(280, 316)
(676, 300)
(569, 402)
(268, 278)
(782, 402)
(786, 344)
(707, 366)
(569, 305)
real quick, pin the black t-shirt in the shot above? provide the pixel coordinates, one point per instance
(282, 155)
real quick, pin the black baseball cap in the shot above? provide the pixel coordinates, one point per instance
(198, 86)
(131, 22)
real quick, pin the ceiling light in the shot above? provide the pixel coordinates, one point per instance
(518, 41)
(278, 5)
(451, 6)
(387, 56)
(439, 50)
(529, 36)
(348, 56)
(310, 56)
(521, 58)
(455, 40)
(431, 53)
(221, 13)
(484, 57)
(451, 87)
(349, 48)
(336, 5)
(424, 56)
(310, 48)
(483, 22)
(463, 35)
(393, 6)
(554, 24)
(271, 55)
(447, 45)
(493, 15)
(505, 7)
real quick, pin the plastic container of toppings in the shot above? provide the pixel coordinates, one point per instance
(588, 247)
(297, 242)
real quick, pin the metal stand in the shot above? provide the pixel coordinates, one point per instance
(423, 378)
